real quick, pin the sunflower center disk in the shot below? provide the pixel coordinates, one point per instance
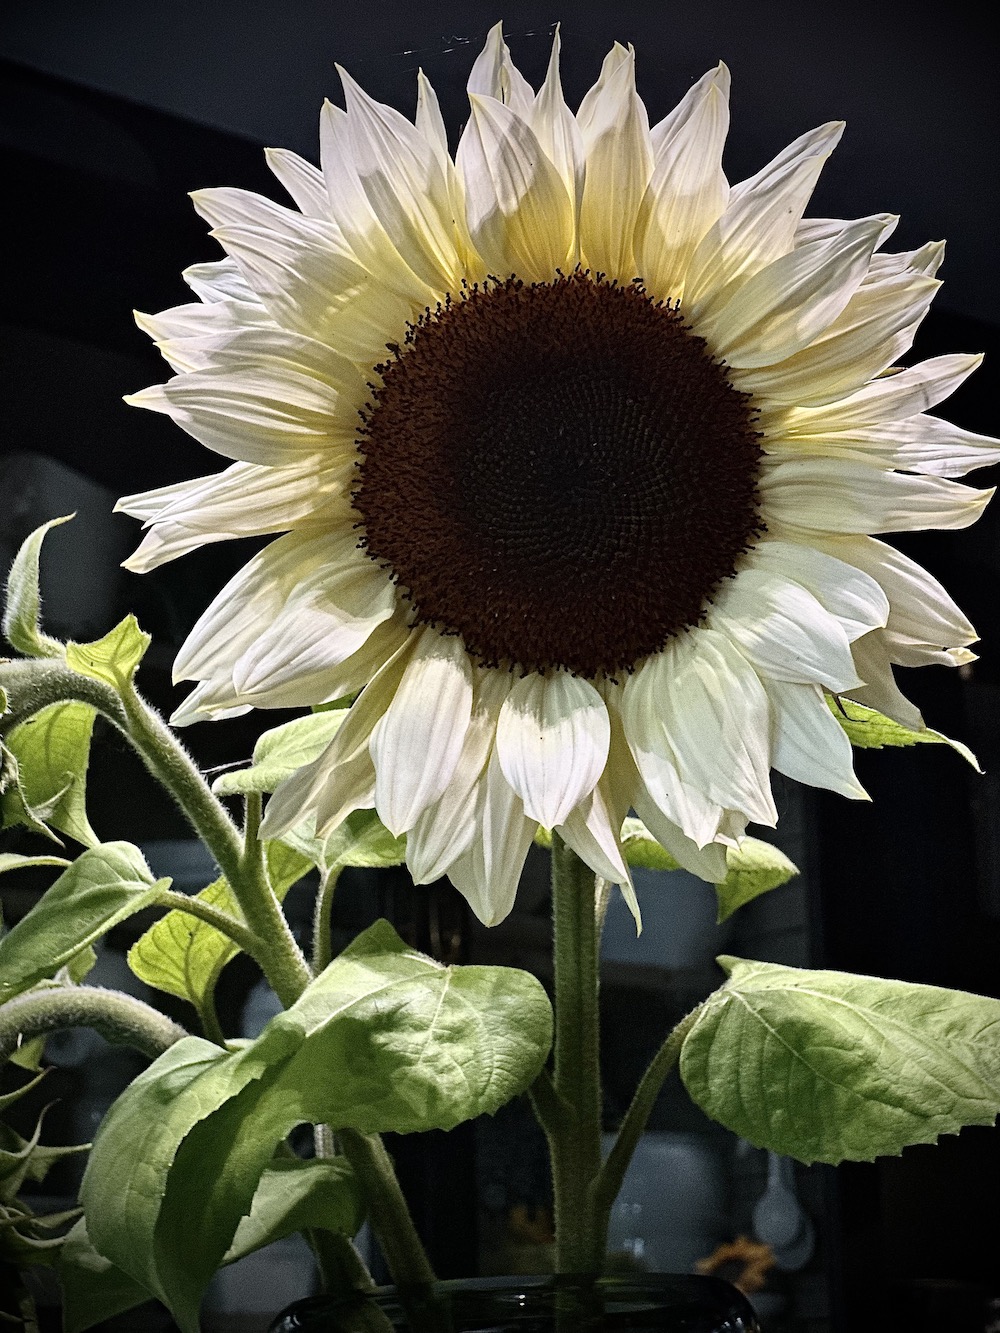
(559, 473)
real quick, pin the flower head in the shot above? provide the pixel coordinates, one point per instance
(577, 450)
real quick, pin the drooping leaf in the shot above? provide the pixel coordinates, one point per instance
(280, 752)
(114, 658)
(103, 886)
(52, 750)
(753, 868)
(827, 1066)
(22, 611)
(184, 956)
(383, 1039)
(294, 1195)
(94, 1289)
(870, 730)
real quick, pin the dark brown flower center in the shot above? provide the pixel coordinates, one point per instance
(560, 473)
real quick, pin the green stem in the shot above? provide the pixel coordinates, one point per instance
(612, 1173)
(118, 1017)
(239, 933)
(387, 1210)
(322, 946)
(575, 1134)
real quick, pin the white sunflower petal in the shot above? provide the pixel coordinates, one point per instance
(687, 190)
(716, 714)
(302, 180)
(489, 872)
(327, 618)
(919, 607)
(590, 831)
(402, 177)
(557, 131)
(915, 444)
(808, 743)
(552, 740)
(759, 221)
(209, 701)
(874, 330)
(416, 745)
(519, 214)
(357, 221)
(251, 599)
(880, 690)
(889, 398)
(494, 74)
(855, 597)
(783, 630)
(689, 808)
(840, 495)
(619, 158)
(447, 826)
(783, 307)
(708, 862)
(219, 280)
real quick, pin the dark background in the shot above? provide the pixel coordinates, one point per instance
(112, 112)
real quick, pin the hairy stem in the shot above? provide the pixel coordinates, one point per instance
(575, 1133)
(387, 1210)
(321, 949)
(119, 1017)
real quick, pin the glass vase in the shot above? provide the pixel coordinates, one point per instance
(641, 1303)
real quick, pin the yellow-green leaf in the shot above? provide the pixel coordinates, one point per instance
(185, 956)
(114, 658)
(52, 750)
(870, 730)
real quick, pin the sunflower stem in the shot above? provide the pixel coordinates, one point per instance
(120, 1018)
(573, 1117)
(387, 1210)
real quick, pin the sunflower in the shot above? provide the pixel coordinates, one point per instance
(576, 451)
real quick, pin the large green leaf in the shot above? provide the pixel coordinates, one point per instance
(22, 611)
(184, 956)
(827, 1066)
(94, 1289)
(114, 658)
(52, 750)
(870, 730)
(280, 752)
(753, 868)
(103, 886)
(384, 1039)
(292, 1196)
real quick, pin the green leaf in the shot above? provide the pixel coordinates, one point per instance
(294, 1195)
(14, 861)
(29, 1054)
(22, 613)
(114, 658)
(384, 1039)
(27, 1159)
(184, 956)
(753, 868)
(52, 750)
(94, 1289)
(8, 1099)
(869, 730)
(362, 840)
(280, 752)
(103, 886)
(827, 1066)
